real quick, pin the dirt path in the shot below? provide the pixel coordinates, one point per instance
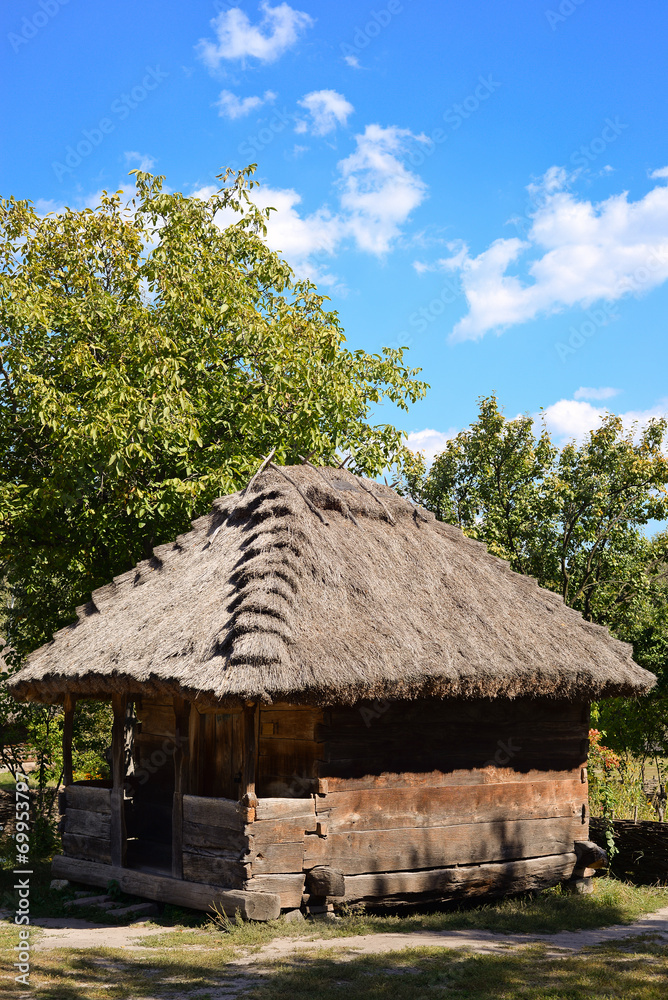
(76, 933)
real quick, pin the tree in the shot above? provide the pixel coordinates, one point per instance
(150, 356)
(576, 518)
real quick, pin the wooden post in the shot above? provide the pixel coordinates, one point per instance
(250, 751)
(181, 780)
(117, 831)
(68, 724)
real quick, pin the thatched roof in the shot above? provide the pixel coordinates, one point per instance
(325, 587)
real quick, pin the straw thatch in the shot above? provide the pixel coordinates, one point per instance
(318, 586)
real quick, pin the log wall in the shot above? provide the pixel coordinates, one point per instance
(87, 822)
(215, 844)
(424, 786)
(425, 797)
(289, 749)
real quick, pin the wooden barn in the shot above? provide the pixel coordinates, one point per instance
(323, 694)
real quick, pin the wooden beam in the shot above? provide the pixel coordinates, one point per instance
(197, 895)
(181, 780)
(251, 736)
(472, 880)
(118, 831)
(68, 724)
(89, 797)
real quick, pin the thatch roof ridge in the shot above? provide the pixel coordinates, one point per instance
(317, 585)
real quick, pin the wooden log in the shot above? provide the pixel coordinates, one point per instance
(276, 859)
(200, 835)
(88, 797)
(251, 905)
(92, 824)
(439, 779)
(433, 847)
(324, 881)
(223, 868)
(206, 811)
(283, 808)
(251, 717)
(181, 779)
(92, 848)
(289, 887)
(393, 808)
(590, 855)
(118, 832)
(474, 880)
(280, 831)
(68, 723)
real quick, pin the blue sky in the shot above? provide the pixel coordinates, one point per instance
(486, 182)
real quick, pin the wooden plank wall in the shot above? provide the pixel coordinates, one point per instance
(215, 844)
(366, 790)
(288, 751)
(87, 822)
(216, 749)
(429, 784)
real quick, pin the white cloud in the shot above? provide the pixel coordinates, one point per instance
(378, 192)
(429, 441)
(570, 418)
(327, 109)
(605, 392)
(352, 61)
(140, 160)
(300, 237)
(236, 38)
(577, 253)
(661, 172)
(375, 193)
(230, 106)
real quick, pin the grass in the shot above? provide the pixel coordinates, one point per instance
(633, 970)
(612, 902)
(196, 960)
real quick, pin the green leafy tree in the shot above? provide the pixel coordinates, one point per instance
(150, 355)
(576, 518)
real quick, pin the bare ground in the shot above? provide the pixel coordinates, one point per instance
(82, 934)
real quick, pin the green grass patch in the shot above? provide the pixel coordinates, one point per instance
(554, 910)
(635, 970)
